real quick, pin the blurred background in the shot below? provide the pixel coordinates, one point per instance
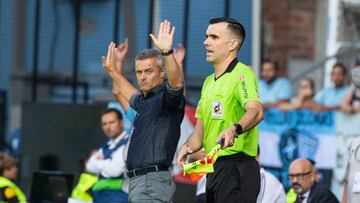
(53, 87)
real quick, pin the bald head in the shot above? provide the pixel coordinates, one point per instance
(301, 165)
(302, 175)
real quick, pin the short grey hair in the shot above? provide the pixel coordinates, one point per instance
(150, 53)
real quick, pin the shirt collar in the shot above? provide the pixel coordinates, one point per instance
(154, 91)
(306, 194)
(230, 67)
(113, 142)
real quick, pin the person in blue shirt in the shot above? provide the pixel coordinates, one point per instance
(160, 109)
(273, 89)
(351, 102)
(330, 98)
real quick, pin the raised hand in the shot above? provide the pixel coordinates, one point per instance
(179, 53)
(109, 62)
(121, 52)
(164, 40)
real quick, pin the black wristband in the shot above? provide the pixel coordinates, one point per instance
(167, 53)
(238, 129)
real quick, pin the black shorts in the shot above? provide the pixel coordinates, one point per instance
(236, 178)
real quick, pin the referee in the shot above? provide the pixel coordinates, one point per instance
(228, 111)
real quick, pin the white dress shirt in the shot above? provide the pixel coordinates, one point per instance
(271, 190)
(114, 166)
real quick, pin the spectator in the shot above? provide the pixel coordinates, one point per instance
(291, 195)
(303, 177)
(271, 190)
(330, 98)
(273, 89)
(304, 99)
(9, 191)
(160, 110)
(351, 103)
(109, 161)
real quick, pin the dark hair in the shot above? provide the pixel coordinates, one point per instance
(341, 66)
(110, 110)
(275, 63)
(150, 53)
(233, 25)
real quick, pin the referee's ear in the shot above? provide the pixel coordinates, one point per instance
(234, 45)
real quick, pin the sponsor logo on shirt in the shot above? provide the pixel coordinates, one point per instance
(242, 77)
(216, 111)
(244, 88)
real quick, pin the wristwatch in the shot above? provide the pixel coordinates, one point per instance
(238, 129)
(167, 53)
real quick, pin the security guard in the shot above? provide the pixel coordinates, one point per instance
(9, 191)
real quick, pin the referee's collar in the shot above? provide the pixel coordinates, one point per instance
(230, 67)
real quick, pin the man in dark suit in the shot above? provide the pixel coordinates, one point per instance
(302, 175)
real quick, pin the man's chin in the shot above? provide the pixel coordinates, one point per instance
(297, 189)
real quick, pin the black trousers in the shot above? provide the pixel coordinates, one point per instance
(236, 178)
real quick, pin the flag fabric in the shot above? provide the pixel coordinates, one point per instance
(203, 166)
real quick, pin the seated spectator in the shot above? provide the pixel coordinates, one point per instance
(291, 195)
(109, 162)
(331, 98)
(351, 103)
(303, 181)
(304, 99)
(9, 191)
(273, 89)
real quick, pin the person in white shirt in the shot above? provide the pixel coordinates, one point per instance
(109, 162)
(271, 190)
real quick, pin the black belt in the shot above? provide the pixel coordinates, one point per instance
(145, 170)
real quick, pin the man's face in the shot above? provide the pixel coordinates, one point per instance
(148, 74)
(217, 42)
(305, 89)
(302, 177)
(11, 172)
(111, 125)
(338, 77)
(268, 72)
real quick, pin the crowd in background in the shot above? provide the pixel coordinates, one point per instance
(276, 91)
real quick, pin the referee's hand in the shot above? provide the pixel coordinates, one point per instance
(182, 156)
(227, 137)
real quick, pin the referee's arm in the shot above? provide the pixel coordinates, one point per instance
(253, 115)
(193, 144)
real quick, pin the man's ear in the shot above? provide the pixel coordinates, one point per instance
(234, 43)
(162, 72)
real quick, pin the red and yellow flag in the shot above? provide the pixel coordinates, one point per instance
(203, 166)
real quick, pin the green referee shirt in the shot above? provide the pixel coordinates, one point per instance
(222, 103)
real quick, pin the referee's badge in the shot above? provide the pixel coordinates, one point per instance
(216, 111)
